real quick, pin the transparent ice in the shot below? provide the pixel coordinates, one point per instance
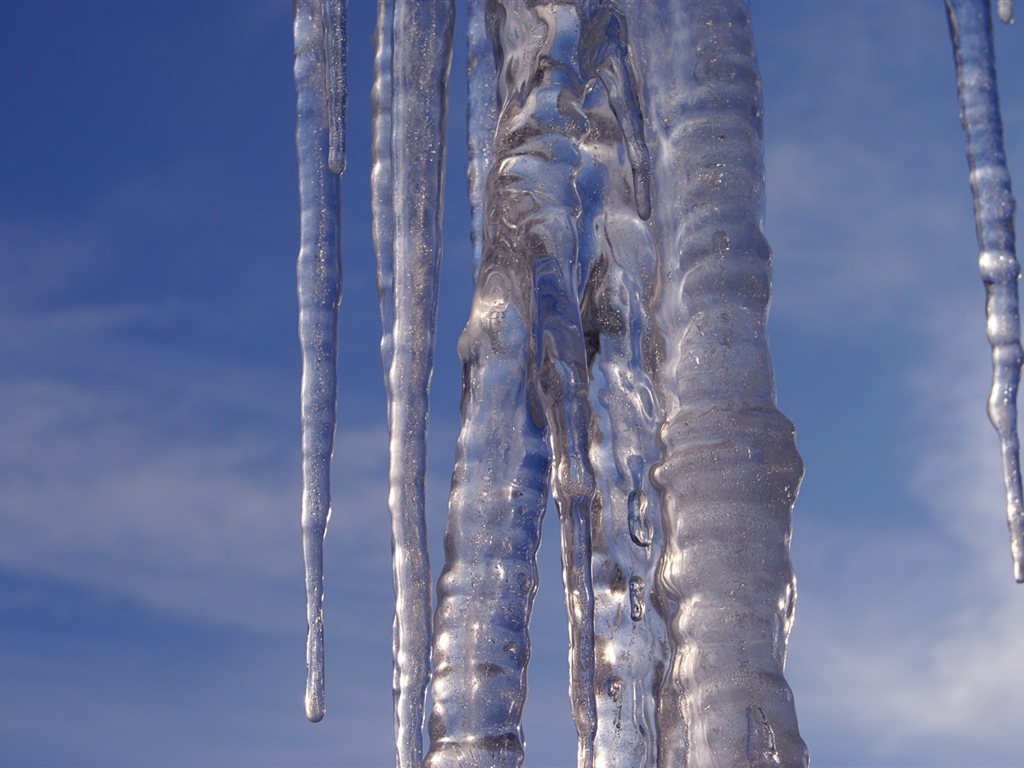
(970, 25)
(614, 361)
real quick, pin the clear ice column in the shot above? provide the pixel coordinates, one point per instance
(525, 409)
(319, 139)
(970, 25)
(618, 255)
(730, 471)
(410, 102)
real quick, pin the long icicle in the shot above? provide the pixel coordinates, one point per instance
(630, 637)
(525, 409)
(730, 471)
(421, 43)
(970, 25)
(319, 138)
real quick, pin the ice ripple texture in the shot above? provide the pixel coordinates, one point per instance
(614, 361)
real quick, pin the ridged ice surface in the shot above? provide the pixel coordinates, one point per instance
(410, 102)
(319, 138)
(971, 28)
(614, 360)
(525, 407)
(729, 472)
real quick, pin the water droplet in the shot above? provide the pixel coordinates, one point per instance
(636, 598)
(640, 529)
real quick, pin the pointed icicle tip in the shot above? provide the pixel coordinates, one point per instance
(1004, 8)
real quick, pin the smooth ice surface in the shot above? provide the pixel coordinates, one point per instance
(319, 284)
(1005, 10)
(994, 207)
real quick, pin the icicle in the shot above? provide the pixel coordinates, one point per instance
(319, 284)
(618, 252)
(421, 39)
(524, 358)
(971, 29)
(381, 191)
(730, 471)
(481, 119)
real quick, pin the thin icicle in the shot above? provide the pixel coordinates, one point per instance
(319, 286)
(381, 186)
(481, 119)
(730, 471)
(971, 29)
(421, 40)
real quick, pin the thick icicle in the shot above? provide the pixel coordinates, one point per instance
(730, 471)
(319, 284)
(525, 368)
(617, 250)
(971, 29)
(481, 118)
(421, 40)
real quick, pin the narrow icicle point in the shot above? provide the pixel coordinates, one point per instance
(1005, 10)
(421, 48)
(481, 119)
(319, 288)
(336, 19)
(970, 26)
(729, 472)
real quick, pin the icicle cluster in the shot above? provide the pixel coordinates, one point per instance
(614, 360)
(970, 26)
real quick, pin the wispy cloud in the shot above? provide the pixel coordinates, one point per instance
(907, 637)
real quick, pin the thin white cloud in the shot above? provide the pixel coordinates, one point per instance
(907, 639)
(97, 494)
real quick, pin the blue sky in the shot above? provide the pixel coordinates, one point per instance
(151, 606)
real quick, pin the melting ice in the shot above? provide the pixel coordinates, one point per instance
(614, 360)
